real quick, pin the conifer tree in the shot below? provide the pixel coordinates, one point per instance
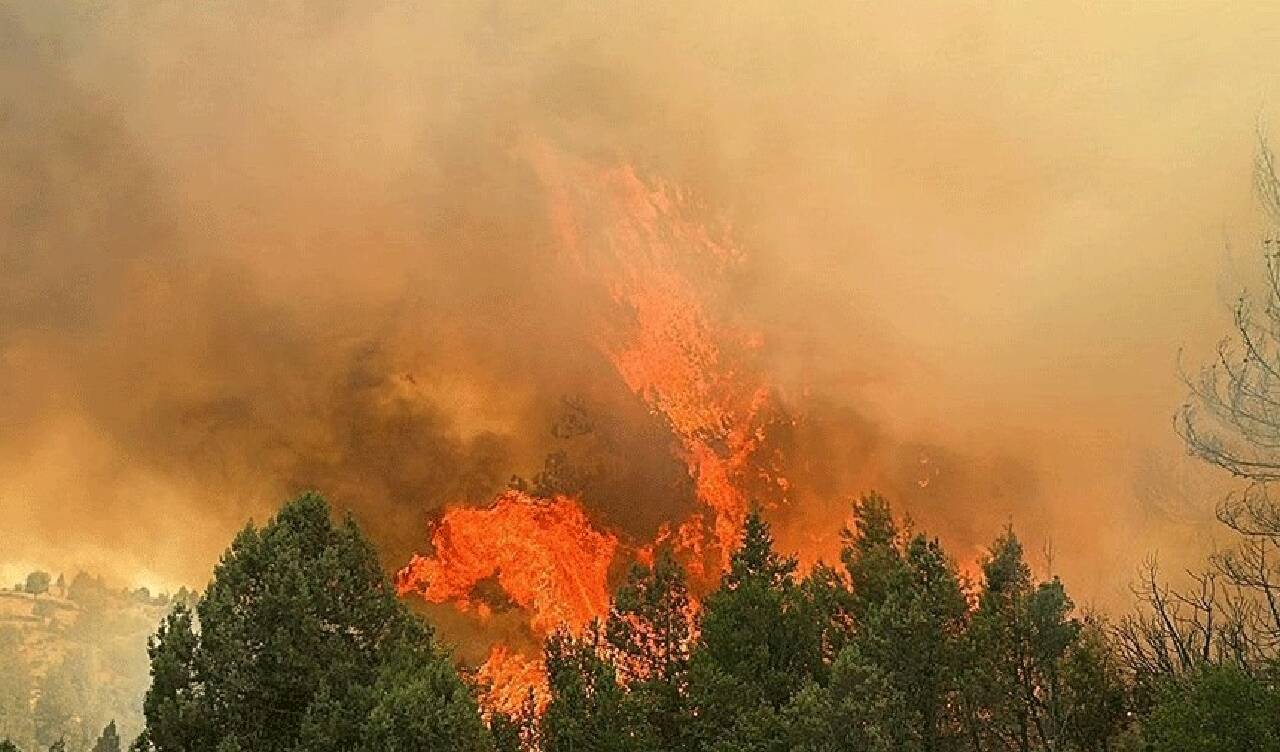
(1020, 635)
(300, 643)
(109, 741)
(758, 645)
(585, 711)
(910, 611)
(649, 633)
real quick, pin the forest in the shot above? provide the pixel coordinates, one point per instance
(300, 641)
(563, 376)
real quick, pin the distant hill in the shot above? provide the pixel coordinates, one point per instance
(75, 658)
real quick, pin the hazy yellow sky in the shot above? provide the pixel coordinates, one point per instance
(250, 249)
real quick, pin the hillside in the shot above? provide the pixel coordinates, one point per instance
(75, 659)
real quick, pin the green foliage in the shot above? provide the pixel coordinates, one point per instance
(506, 733)
(759, 644)
(7, 745)
(109, 741)
(649, 632)
(1019, 640)
(650, 623)
(586, 707)
(419, 703)
(907, 649)
(299, 643)
(521, 732)
(900, 660)
(1095, 702)
(830, 602)
(1217, 709)
(175, 710)
(37, 583)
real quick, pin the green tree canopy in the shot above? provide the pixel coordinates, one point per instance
(585, 711)
(759, 644)
(1020, 637)
(906, 652)
(109, 741)
(299, 643)
(649, 632)
(37, 583)
(1216, 709)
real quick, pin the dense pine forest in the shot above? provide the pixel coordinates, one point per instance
(591, 376)
(299, 643)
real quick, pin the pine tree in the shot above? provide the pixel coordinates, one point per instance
(758, 645)
(109, 741)
(649, 632)
(910, 613)
(1019, 638)
(301, 643)
(585, 711)
(419, 703)
(176, 714)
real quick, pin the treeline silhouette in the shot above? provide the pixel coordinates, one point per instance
(894, 650)
(299, 643)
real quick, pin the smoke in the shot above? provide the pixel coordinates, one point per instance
(249, 250)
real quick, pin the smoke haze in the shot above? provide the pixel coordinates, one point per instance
(252, 249)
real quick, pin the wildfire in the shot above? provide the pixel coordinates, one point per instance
(511, 679)
(543, 553)
(641, 245)
(644, 246)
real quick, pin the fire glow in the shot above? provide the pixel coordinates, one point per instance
(639, 243)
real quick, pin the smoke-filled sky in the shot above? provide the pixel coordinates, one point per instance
(252, 248)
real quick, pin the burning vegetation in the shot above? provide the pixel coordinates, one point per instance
(543, 555)
(746, 267)
(642, 253)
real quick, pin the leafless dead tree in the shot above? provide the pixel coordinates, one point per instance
(1230, 613)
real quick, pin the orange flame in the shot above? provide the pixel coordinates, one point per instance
(641, 241)
(509, 679)
(544, 553)
(642, 245)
